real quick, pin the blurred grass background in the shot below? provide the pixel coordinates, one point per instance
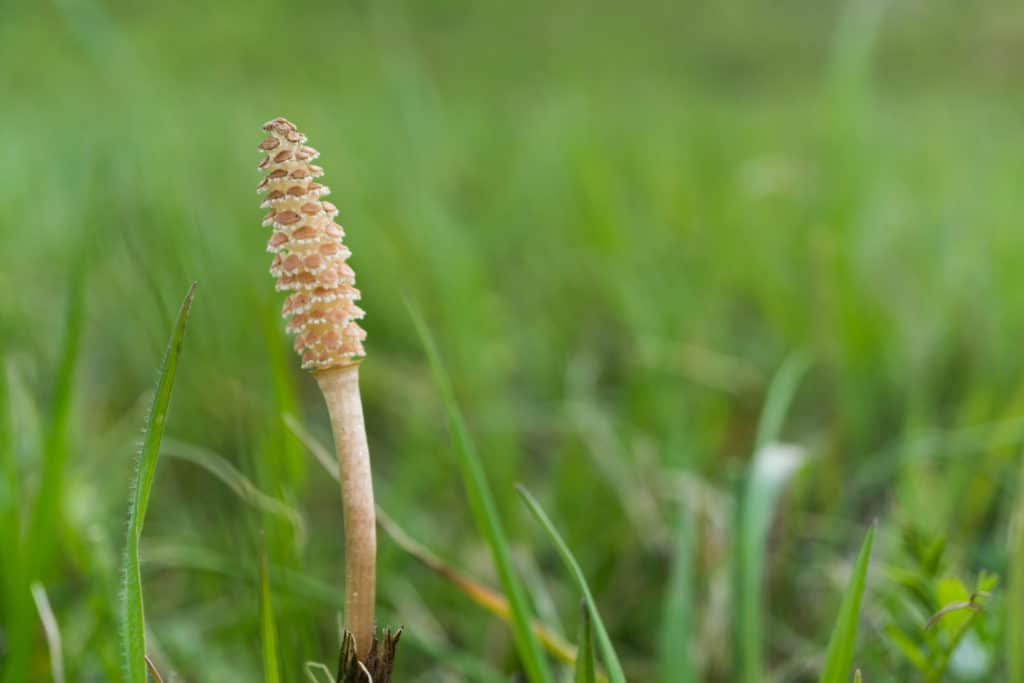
(619, 221)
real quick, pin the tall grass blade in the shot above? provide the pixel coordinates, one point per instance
(1015, 594)
(586, 671)
(268, 630)
(839, 656)
(133, 633)
(32, 560)
(47, 504)
(484, 596)
(9, 497)
(604, 643)
(675, 664)
(485, 512)
(859, 27)
(772, 466)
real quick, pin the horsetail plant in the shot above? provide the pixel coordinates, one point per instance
(310, 263)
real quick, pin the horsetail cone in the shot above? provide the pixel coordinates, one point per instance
(310, 260)
(310, 263)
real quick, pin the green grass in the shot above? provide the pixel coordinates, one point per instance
(839, 655)
(604, 643)
(676, 631)
(268, 629)
(133, 621)
(585, 669)
(1014, 595)
(481, 501)
(619, 222)
(772, 466)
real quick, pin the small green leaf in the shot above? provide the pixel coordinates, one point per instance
(951, 593)
(839, 657)
(986, 582)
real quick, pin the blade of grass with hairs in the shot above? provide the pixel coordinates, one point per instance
(310, 263)
(133, 622)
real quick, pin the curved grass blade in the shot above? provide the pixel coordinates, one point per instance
(772, 466)
(133, 635)
(611, 660)
(839, 657)
(484, 596)
(219, 467)
(315, 669)
(586, 671)
(485, 512)
(268, 630)
(780, 397)
(52, 631)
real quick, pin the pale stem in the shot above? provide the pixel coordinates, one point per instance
(340, 387)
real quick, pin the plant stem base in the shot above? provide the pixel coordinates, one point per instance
(377, 666)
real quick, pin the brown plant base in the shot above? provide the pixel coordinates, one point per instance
(378, 664)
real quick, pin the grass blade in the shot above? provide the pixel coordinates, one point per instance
(268, 630)
(9, 496)
(586, 671)
(839, 656)
(47, 505)
(485, 512)
(611, 660)
(133, 635)
(484, 596)
(772, 466)
(1015, 594)
(52, 631)
(219, 467)
(780, 397)
(37, 549)
(675, 664)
